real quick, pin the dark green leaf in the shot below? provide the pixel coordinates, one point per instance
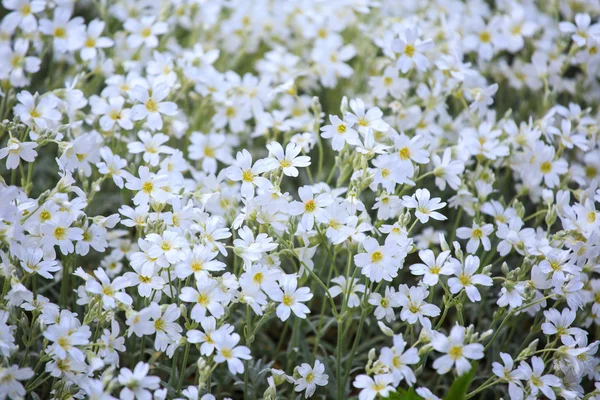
(403, 394)
(458, 390)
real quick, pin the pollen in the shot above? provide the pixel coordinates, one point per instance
(404, 153)
(410, 50)
(376, 257)
(485, 37)
(546, 167)
(341, 129)
(455, 352)
(203, 299)
(45, 215)
(60, 233)
(159, 324)
(310, 206)
(209, 152)
(147, 187)
(465, 280)
(247, 176)
(60, 32)
(196, 266)
(151, 106)
(287, 300)
(146, 32)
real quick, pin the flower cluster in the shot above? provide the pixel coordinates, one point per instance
(220, 199)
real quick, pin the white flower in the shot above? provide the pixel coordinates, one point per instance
(16, 150)
(208, 296)
(447, 170)
(466, 278)
(152, 105)
(536, 380)
(457, 353)
(291, 298)
(137, 384)
(144, 31)
(398, 359)
(476, 234)
(366, 121)
(351, 293)
(415, 307)
(9, 381)
(36, 112)
(68, 33)
(112, 112)
(371, 387)
(433, 267)
(581, 31)
(311, 207)
(389, 83)
(385, 304)
(205, 337)
(22, 13)
(310, 377)
(559, 323)
(112, 166)
(508, 373)
(378, 262)
(94, 41)
(227, 350)
(289, 160)
(66, 336)
(425, 207)
(340, 132)
(149, 186)
(248, 174)
(411, 50)
(15, 63)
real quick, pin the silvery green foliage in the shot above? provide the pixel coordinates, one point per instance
(207, 199)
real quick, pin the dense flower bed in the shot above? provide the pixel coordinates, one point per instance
(250, 199)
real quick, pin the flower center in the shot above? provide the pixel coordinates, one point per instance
(146, 32)
(60, 233)
(455, 352)
(485, 37)
(151, 106)
(410, 50)
(310, 206)
(45, 216)
(60, 32)
(196, 266)
(376, 257)
(465, 280)
(147, 187)
(159, 324)
(203, 299)
(247, 176)
(287, 300)
(546, 167)
(404, 153)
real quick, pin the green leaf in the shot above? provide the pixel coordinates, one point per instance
(458, 390)
(403, 394)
